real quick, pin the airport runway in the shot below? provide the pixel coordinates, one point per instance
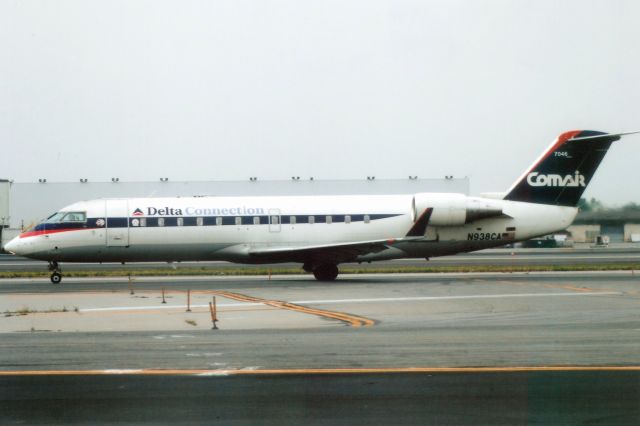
(501, 257)
(394, 334)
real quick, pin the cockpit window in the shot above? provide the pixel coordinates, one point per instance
(55, 218)
(67, 217)
(75, 217)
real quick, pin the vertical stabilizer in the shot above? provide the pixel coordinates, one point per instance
(563, 171)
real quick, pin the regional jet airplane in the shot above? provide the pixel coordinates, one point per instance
(320, 232)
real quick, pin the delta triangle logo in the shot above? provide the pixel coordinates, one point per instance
(138, 212)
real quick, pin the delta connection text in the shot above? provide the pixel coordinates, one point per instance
(204, 211)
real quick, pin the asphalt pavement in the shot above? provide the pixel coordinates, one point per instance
(515, 348)
(333, 399)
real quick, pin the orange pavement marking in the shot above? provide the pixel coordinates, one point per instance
(568, 287)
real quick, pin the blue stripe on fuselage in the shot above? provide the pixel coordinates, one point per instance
(170, 221)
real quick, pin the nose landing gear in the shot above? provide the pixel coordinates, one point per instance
(56, 273)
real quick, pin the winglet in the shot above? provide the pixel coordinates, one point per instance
(420, 227)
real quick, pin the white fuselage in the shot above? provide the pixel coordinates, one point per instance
(281, 229)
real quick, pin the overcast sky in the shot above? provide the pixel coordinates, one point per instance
(197, 90)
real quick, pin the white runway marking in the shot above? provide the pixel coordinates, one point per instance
(146, 308)
(485, 296)
(528, 257)
(368, 300)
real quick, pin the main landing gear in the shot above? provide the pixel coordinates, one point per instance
(56, 273)
(322, 271)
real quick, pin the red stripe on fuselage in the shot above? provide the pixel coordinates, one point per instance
(48, 231)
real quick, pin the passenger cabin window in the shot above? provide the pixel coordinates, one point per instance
(329, 219)
(161, 221)
(218, 221)
(75, 217)
(292, 220)
(347, 219)
(256, 220)
(367, 219)
(238, 220)
(180, 221)
(143, 221)
(312, 220)
(199, 221)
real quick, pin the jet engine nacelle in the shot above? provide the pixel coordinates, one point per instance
(455, 209)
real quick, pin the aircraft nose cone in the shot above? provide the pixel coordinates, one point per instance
(12, 246)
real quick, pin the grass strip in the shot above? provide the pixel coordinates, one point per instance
(234, 271)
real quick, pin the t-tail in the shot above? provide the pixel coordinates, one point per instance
(563, 171)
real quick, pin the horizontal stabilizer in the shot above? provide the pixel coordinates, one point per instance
(606, 135)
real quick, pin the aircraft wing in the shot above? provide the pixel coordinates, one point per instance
(329, 253)
(337, 252)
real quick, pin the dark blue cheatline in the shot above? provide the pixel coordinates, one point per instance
(172, 221)
(152, 222)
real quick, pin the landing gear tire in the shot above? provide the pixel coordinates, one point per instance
(325, 272)
(56, 275)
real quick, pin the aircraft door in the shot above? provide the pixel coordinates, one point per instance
(117, 214)
(274, 220)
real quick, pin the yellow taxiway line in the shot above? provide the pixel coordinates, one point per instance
(352, 320)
